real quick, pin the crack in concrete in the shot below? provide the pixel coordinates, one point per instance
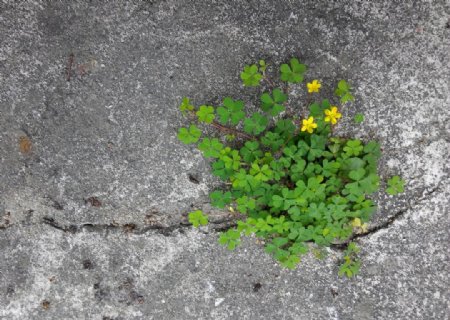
(131, 228)
(225, 224)
(386, 224)
(216, 225)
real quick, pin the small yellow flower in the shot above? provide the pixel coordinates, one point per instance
(313, 86)
(356, 223)
(362, 227)
(309, 125)
(332, 115)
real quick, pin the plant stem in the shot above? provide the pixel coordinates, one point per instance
(228, 129)
(308, 101)
(224, 128)
(269, 82)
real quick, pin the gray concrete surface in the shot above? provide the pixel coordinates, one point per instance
(110, 133)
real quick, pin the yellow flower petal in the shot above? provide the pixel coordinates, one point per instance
(356, 222)
(365, 227)
(332, 115)
(308, 125)
(313, 86)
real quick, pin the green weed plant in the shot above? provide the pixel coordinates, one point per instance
(287, 178)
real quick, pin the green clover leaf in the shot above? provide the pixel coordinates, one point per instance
(251, 76)
(373, 148)
(190, 135)
(220, 170)
(343, 92)
(219, 198)
(186, 106)
(205, 114)
(370, 184)
(330, 167)
(256, 124)
(272, 140)
(262, 173)
(353, 148)
(396, 185)
(357, 174)
(231, 111)
(245, 203)
(230, 238)
(290, 262)
(231, 158)
(251, 151)
(197, 218)
(359, 117)
(285, 128)
(292, 73)
(211, 147)
(273, 104)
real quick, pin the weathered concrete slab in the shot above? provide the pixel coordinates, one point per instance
(114, 275)
(89, 166)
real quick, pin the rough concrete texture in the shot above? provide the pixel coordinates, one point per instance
(95, 186)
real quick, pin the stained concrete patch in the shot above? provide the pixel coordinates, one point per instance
(90, 163)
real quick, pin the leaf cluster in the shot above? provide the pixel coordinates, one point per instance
(396, 185)
(343, 91)
(295, 189)
(198, 218)
(350, 266)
